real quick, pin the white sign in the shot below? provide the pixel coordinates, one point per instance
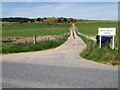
(107, 31)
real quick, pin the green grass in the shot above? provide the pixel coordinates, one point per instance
(7, 48)
(101, 55)
(93, 52)
(90, 27)
(32, 29)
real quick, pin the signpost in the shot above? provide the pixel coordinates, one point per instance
(107, 32)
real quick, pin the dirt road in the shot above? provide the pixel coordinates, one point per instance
(56, 68)
(65, 55)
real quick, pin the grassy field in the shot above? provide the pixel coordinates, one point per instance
(90, 27)
(93, 52)
(32, 29)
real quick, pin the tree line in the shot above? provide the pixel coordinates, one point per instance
(47, 20)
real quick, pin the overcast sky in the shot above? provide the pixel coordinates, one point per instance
(79, 10)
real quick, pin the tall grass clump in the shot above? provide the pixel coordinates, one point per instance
(103, 55)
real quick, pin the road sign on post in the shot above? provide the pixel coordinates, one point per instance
(107, 32)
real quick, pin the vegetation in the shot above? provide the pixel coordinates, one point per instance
(102, 55)
(93, 52)
(7, 48)
(32, 29)
(25, 27)
(56, 26)
(45, 19)
(90, 27)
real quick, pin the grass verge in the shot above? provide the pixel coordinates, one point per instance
(48, 44)
(101, 55)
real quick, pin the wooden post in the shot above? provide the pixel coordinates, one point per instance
(113, 44)
(100, 42)
(34, 39)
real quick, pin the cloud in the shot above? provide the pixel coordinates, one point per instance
(75, 10)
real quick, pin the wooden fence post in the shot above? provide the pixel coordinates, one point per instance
(34, 39)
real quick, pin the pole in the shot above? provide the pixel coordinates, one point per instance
(34, 39)
(113, 44)
(100, 42)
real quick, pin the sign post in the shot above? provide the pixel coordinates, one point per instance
(107, 32)
(113, 44)
(100, 42)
